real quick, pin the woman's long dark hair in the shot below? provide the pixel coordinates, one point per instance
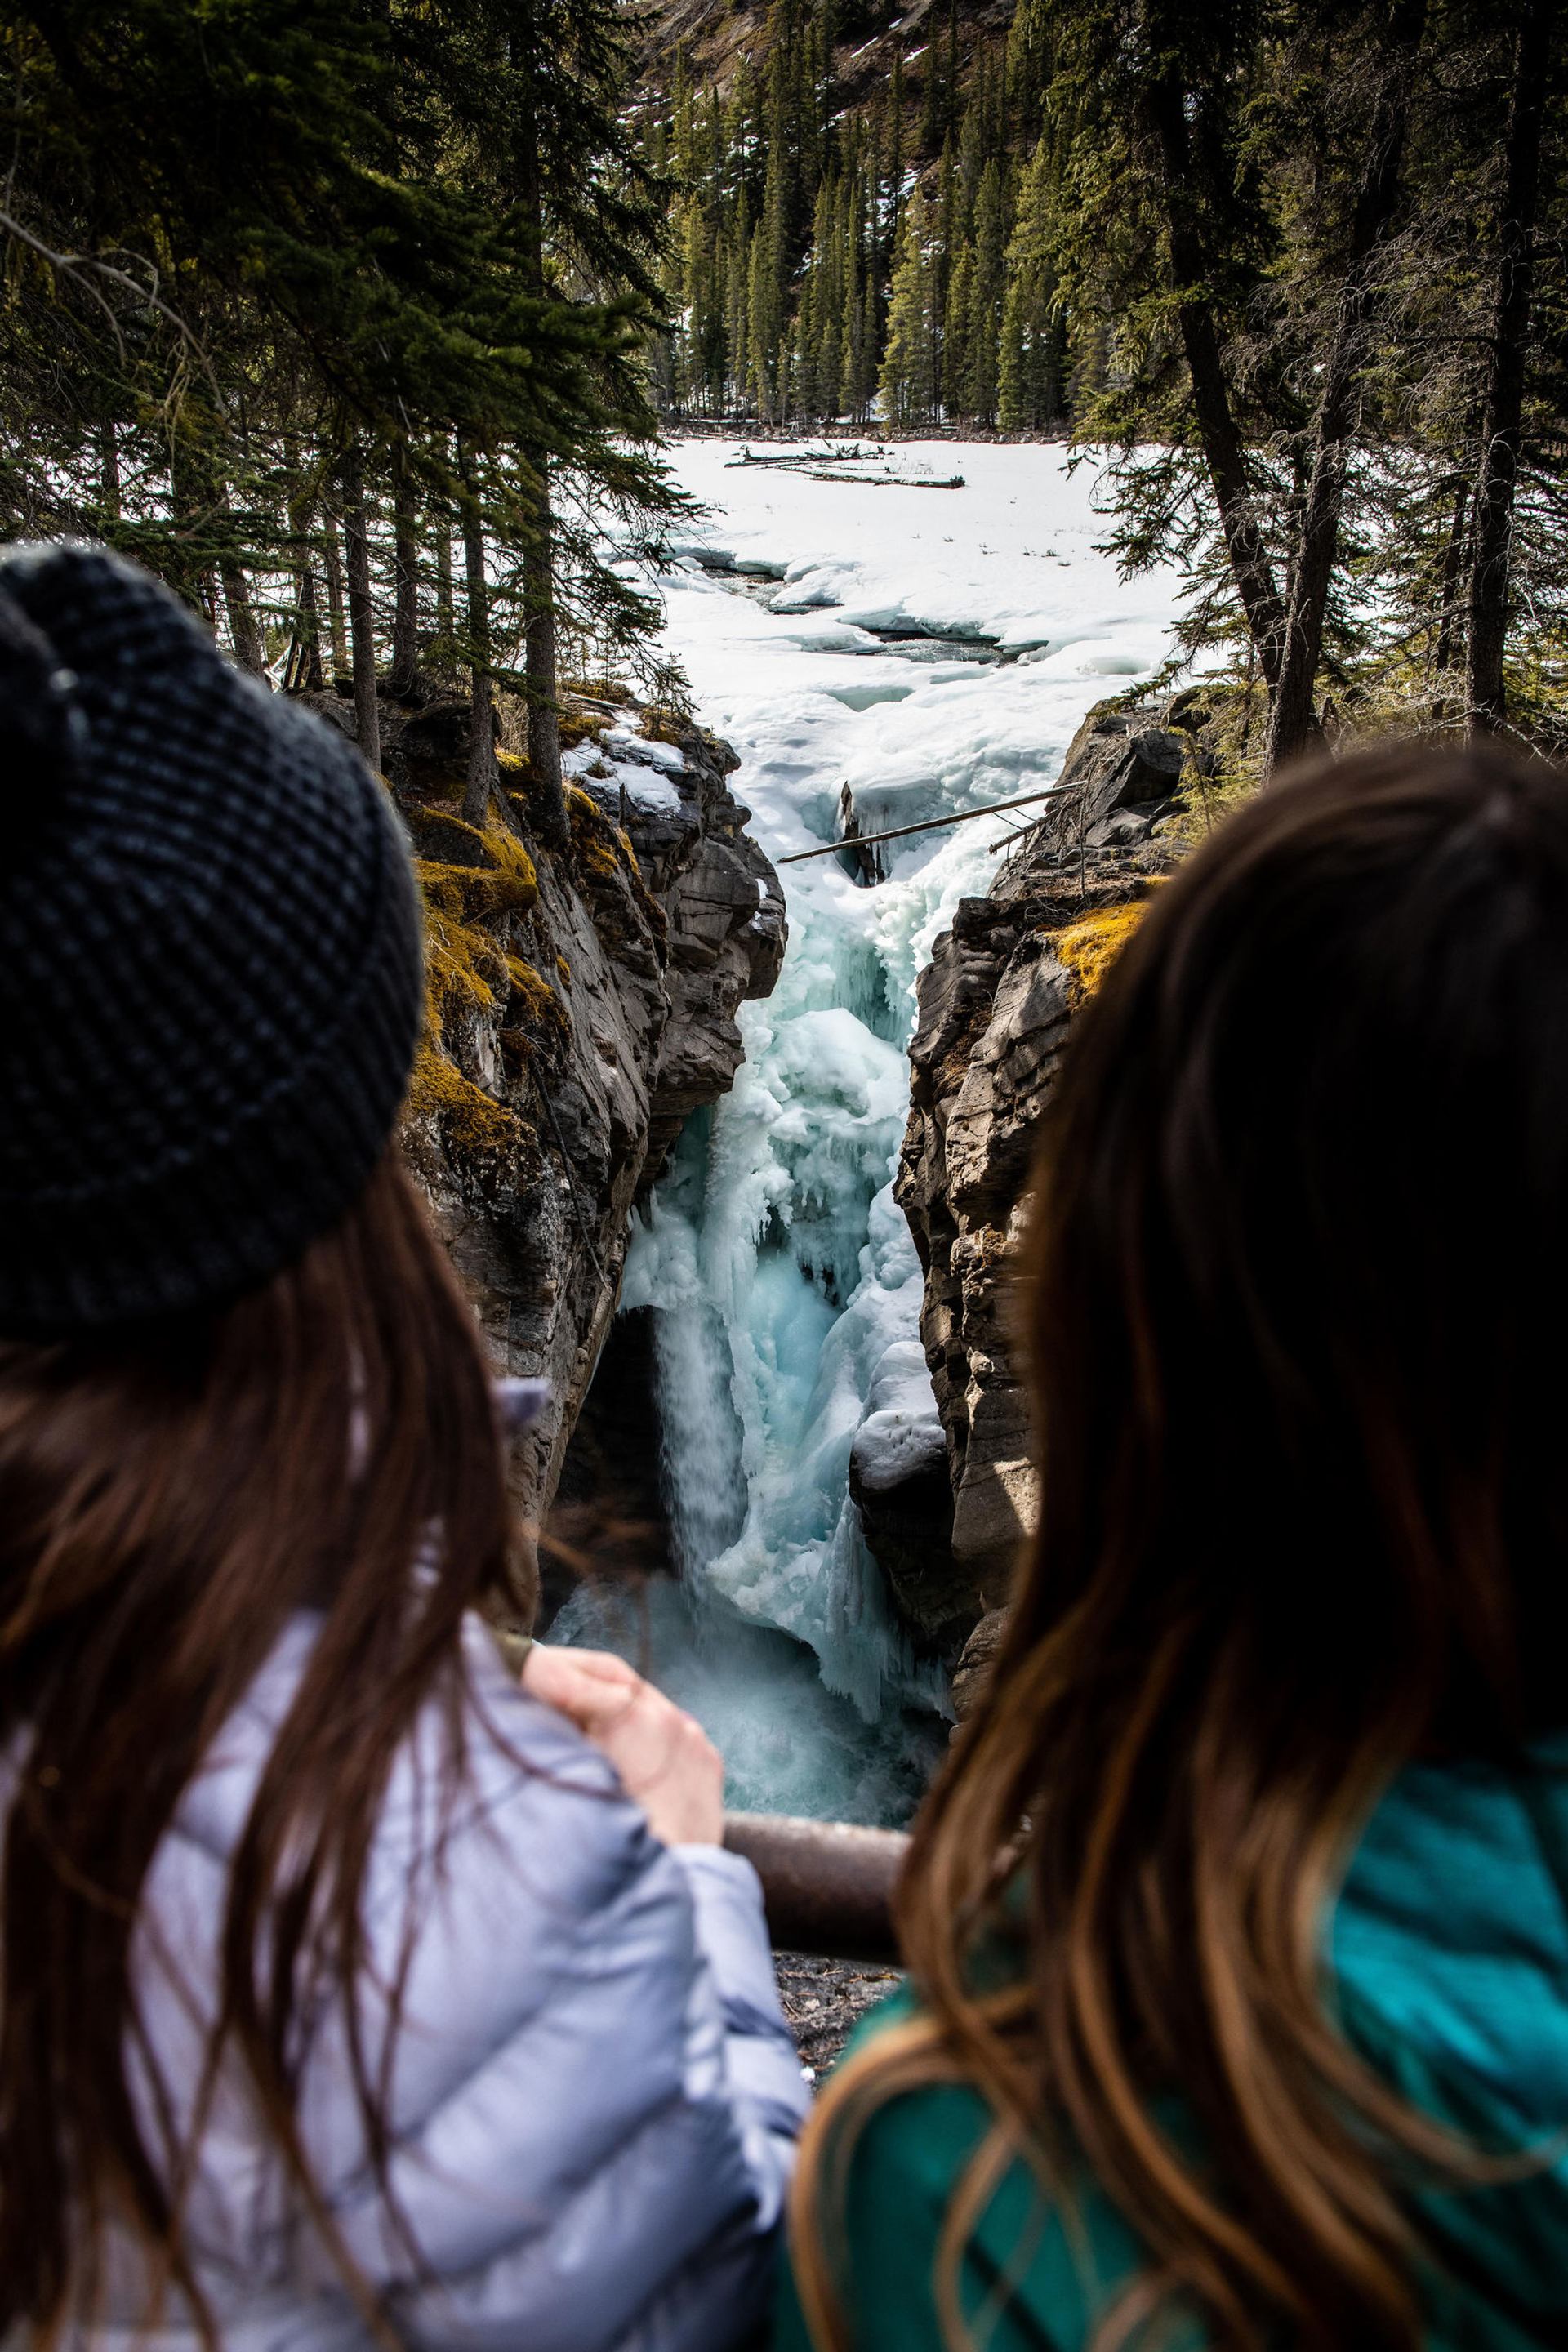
(1299, 1299)
(169, 1498)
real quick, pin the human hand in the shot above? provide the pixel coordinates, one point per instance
(665, 1759)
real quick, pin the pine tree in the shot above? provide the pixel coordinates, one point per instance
(907, 386)
(1029, 387)
(979, 390)
(737, 307)
(940, 100)
(1029, 62)
(891, 194)
(952, 236)
(764, 309)
(260, 169)
(958, 332)
(861, 352)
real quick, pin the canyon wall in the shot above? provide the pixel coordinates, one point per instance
(581, 1006)
(995, 1007)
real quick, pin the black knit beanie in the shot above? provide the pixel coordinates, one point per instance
(210, 963)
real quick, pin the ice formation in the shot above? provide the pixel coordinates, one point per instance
(785, 1282)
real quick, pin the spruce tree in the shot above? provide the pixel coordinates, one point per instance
(907, 384)
(1029, 389)
(958, 332)
(1508, 368)
(891, 194)
(978, 391)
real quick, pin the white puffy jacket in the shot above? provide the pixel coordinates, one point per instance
(593, 2097)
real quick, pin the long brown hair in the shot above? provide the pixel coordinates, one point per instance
(1299, 1287)
(169, 1498)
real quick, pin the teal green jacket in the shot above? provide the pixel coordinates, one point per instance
(1450, 1956)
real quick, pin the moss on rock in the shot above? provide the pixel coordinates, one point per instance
(474, 1125)
(604, 857)
(1091, 946)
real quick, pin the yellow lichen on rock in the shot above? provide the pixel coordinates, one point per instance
(577, 725)
(593, 838)
(498, 879)
(469, 969)
(463, 966)
(465, 962)
(605, 853)
(1091, 946)
(475, 1124)
(540, 1021)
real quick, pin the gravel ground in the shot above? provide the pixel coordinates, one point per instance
(826, 2000)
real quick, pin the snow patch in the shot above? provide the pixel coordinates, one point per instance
(621, 743)
(620, 761)
(901, 1433)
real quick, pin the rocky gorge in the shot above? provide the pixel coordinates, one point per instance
(751, 1213)
(581, 1006)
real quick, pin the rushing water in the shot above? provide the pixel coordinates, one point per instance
(936, 651)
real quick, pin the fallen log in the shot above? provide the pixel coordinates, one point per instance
(887, 481)
(827, 1887)
(926, 825)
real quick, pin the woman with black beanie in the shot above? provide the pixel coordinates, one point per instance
(349, 1994)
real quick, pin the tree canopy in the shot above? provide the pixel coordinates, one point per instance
(294, 282)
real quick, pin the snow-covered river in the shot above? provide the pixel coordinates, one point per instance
(838, 633)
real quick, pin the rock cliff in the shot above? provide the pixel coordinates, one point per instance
(995, 1005)
(580, 1007)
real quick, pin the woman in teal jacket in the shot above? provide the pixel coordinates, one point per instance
(1237, 1925)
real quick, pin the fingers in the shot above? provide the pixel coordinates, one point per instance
(662, 1755)
(603, 1665)
(581, 1683)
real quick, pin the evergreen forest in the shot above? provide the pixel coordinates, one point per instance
(336, 315)
(360, 320)
(1298, 267)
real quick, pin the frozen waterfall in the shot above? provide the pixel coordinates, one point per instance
(786, 1287)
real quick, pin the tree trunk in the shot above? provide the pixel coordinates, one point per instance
(249, 651)
(362, 621)
(1292, 719)
(1448, 653)
(405, 571)
(333, 565)
(190, 498)
(547, 797)
(309, 632)
(1492, 526)
(446, 614)
(305, 669)
(481, 726)
(109, 471)
(1219, 435)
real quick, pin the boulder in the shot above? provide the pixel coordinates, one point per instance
(899, 1482)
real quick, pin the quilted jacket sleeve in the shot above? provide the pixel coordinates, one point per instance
(592, 2092)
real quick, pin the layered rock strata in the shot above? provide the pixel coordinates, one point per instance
(995, 1006)
(581, 1006)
